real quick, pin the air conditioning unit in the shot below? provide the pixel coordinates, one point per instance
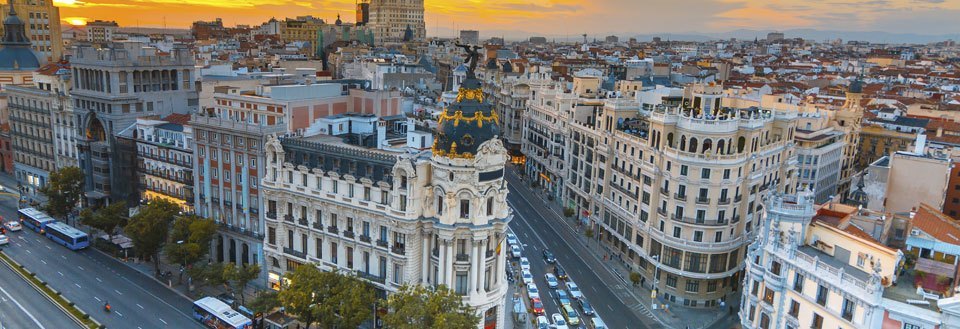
(914, 232)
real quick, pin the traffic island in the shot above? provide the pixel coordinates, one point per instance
(81, 318)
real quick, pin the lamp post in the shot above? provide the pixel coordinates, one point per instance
(656, 281)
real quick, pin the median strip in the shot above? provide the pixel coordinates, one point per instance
(78, 316)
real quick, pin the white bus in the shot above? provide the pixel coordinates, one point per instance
(216, 314)
(34, 219)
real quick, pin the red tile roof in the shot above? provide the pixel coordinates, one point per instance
(936, 224)
(180, 119)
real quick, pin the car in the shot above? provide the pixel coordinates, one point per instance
(533, 291)
(574, 290)
(527, 277)
(512, 240)
(227, 299)
(598, 323)
(542, 322)
(4, 239)
(524, 263)
(515, 251)
(586, 307)
(12, 226)
(552, 281)
(537, 306)
(573, 318)
(559, 272)
(558, 321)
(548, 256)
(563, 298)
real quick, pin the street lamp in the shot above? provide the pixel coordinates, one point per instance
(656, 281)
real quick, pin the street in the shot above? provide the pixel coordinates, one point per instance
(21, 306)
(90, 279)
(536, 227)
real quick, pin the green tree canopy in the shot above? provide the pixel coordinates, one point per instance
(63, 191)
(190, 238)
(418, 307)
(241, 276)
(331, 299)
(149, 228)
(106, 219)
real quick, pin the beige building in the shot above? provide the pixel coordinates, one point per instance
(390, 20)
(42, 21)
(849, 121)
(914, 179)
(101, 31)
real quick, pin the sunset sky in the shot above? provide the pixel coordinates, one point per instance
(557, 17)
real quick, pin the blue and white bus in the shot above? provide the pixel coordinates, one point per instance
(216, 314)
(34, 219)
(67, 236)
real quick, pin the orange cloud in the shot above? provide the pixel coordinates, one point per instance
(760, 16)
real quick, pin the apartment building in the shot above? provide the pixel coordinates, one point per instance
(31, 116)
(42, 21)
(100, 31)
(391, 19)
(394, 217)
(113, 85)
(164, 159)
(820, 149)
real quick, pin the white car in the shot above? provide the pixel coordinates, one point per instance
(515, 251)
(4, 239)
(527, 277)
(524, 264)
(13, 226)
(512, 239)
(542, 322)
(533, 291)
(574, 290)
(559, 321)
(551, 280)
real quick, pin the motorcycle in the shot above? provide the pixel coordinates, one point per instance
(106, 307)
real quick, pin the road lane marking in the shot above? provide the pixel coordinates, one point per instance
(98, 280)
(48, 247)
(120, 314)
(78, 286)
(140, 306)
(97, 298)
(62, 256)
(161, 320)
(118, 292)
(23, 309)
(81, 268)
(61, 273)
(29, 252)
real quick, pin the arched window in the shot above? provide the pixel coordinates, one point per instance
(683, 143)
(741, 143)
(720, 145)
(670, 139)
(693, 145)
(707, 145)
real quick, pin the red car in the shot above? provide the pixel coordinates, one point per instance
(537, 306)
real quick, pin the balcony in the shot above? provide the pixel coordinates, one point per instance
(288, 218)
(664, 191)
(398, 249)
(774, 282)
(371, 277)
(738, 198)
(317, 226)
(490, 253)
(681, 197)
(463, 257)
(272, 215)
(723, 201)
(436, 252)
(348, 234)
(383, 243)
(302, 221)
(333, 229)
(662, 211)
(365, 238)
(699, 221)
(294, 253)
(701, 200)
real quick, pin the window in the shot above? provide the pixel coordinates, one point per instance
(683, 170)
(768, 296)
(705, 173)
(822, 295)
(383, 233)
(798, 283)
(461, 283)
(794, 308)
(319, 248)
(272, 235)
(755, 290)
(847, 311)
(697, 236)
(712, 286)
(717, 236)
(490, 206)
(817, 322)
(775, 267)
(676, 231)
(693, 286)
(464, 208)
(671, 281)
(397, 273)
(726, 174)
(333, 252)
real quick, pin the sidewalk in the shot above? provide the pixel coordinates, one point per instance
(675, 316)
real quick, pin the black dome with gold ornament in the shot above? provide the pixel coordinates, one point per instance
(469, 121)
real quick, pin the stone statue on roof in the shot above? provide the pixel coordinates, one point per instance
(473, 55)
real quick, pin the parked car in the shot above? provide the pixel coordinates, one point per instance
(13, 226)
(559, 272)
(537, 306)
(542, 322)
(515, 251)
(559, 321)
(586, 307)
(525, 263)
(573, 318)
(548, 256)
(512, 240)
(527, 277)
(533, 291)
(563, 298)
(574, 290)
(552, 281)
(598, 323)
(4, 239)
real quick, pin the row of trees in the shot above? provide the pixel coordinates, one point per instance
(335, 300)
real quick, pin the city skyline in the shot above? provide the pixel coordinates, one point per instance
(556, 18)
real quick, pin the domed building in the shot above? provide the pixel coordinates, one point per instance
(17, 58)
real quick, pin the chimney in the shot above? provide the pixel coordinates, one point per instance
(381, 134)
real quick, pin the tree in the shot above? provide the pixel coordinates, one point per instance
(106, 219)
(63, 191)
(588, 233)
(148, 229)
(331, 299)
(417, 306)
(241, 276)
(635, 278)
(190, 238)
(263, 303)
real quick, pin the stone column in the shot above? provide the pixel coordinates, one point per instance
(451, 255)
(442, 263)
(474, 266)
(424, 258)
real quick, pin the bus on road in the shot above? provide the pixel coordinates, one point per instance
(34, 219)
(67, 236)
(216, 314)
